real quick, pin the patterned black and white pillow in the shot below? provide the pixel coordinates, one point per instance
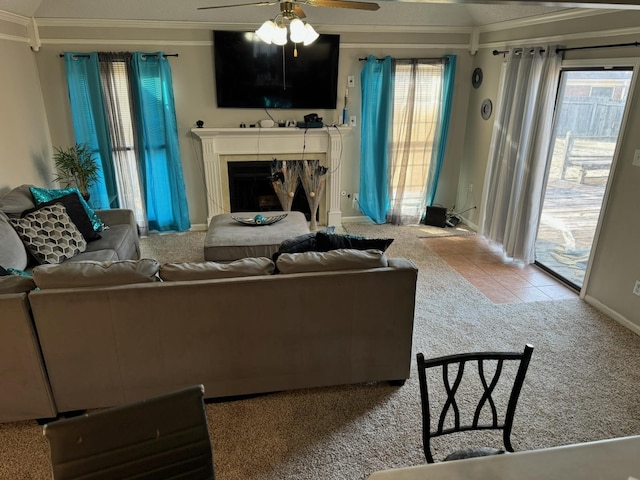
(49, 234)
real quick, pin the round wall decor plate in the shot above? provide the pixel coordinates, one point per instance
(486, 109)
(476, 77)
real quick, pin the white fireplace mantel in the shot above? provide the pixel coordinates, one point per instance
(220, 143)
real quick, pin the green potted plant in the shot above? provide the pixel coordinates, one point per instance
(76, 167)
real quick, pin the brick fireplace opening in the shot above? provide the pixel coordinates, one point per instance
(250, 189)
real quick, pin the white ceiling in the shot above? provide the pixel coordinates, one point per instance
(393, 13)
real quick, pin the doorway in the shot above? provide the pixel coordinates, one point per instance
(588, 117)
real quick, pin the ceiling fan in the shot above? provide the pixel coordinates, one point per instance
(275, 30)
(293, 6)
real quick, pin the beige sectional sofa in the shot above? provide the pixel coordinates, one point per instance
(26, 393)
(333, 320)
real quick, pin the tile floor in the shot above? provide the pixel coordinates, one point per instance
(500, 279)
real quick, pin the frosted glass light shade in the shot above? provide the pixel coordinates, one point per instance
(279, 35)
(298, 31)
(267, 31)
(311, 35)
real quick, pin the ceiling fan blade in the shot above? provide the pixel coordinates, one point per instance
(343, 4)
(299, 12)
(237, 5)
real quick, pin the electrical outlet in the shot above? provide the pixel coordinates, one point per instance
(351, 81)
(470, 187)
(636, 288)
(636, 159)
(352, 121)
(355, 203)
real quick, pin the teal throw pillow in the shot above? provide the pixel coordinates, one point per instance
(42, 195)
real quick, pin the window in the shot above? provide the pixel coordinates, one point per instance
(417, 100)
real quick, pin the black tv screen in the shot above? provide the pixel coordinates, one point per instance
(253, 74)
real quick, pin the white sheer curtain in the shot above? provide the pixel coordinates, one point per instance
(417, 101)
(517, 164)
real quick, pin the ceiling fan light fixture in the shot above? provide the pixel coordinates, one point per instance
(310, 34)
(267, 31)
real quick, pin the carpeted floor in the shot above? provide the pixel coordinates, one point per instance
(583, 384)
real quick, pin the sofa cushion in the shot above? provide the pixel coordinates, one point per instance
(341, 259)
(12, 250)
(16, 201)
(331, 241)
(96, 274)
(72, 203)
(49, 234)
(120, 238)
(16, 284)
(42, 195)
(246, 267)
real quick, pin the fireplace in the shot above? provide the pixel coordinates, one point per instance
(250, 189)
(223, 146)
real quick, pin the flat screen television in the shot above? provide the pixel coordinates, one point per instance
(252, 74)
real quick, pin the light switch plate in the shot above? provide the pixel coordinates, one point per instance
(636, 158)
(352, 121)
(351, 81)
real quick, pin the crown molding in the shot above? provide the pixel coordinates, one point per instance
(124, 42)
(559, 39)
(560, 16)
(14, 18)
(404, 46)
(13, 38)
(152, 24)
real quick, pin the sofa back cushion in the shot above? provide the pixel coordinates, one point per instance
(340, 259)
(16, 284)
(246, 267)
(12, 251)
(96, 274)
(16, 201)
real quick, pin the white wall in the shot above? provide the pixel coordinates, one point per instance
(25, 148)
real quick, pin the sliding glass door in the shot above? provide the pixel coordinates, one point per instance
(589, 111)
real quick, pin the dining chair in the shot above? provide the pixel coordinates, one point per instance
(486, 407)
(159, 438)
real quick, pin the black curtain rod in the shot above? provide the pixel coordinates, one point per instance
(444, 59)
(589, 47)
(147, 54)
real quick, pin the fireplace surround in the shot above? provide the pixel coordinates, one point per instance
(223, 145)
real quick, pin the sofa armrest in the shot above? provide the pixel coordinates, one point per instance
(117, 216)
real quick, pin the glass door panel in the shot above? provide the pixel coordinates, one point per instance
(589, 111)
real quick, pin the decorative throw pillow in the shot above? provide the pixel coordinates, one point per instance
(245, 267)
(301, 243)
(42, 195)
(326, 242)
(76, 212)
(50, 235)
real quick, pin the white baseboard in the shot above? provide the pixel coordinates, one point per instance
(357, 219)
(199, 227)
(622, 320)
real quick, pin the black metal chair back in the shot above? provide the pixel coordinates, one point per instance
(165, 437)
(451, 405)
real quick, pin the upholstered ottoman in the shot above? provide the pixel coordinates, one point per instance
(228, 240)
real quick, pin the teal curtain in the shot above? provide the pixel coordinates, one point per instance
(448, 79)
(377, 117)
(158, 148)
(90, 123)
